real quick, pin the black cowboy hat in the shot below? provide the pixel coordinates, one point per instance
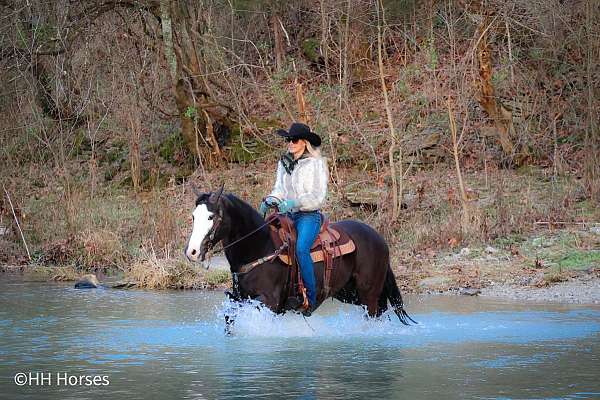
(300, 131)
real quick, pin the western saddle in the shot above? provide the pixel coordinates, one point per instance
(330, 243)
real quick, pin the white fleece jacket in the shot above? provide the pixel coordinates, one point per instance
(307, 184)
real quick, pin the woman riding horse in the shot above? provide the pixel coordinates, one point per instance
(362, 277)
(300, 189)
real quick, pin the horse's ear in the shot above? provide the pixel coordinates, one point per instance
(196, 191)
(214, 198)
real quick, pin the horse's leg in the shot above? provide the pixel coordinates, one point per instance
(229, 322)
(383, 303)
(370, 289)
(370, 297)
(230, 314)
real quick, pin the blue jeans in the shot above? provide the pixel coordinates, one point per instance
(308, 224)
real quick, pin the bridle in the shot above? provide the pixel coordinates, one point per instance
(213, 231)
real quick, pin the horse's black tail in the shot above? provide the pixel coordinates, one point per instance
(395, 298)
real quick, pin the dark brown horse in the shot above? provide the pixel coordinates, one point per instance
(363, 277)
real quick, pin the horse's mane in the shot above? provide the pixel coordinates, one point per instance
(245, 208)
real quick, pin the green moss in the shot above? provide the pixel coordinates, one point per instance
(433, 54)
(173, 150)
(244, 148)
(499, 77)
(372, 115)
(264, 124)
(310, 49)
(536, 54)
(578, 259)
(401, 89)
(117, 152)
(81, 143)
(411, 72)
(169, 146)
(587, 209)
(191, 112)
(509, 240)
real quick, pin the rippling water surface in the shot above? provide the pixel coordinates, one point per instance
(170, 345)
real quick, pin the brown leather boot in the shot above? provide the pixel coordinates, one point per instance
(309, 310)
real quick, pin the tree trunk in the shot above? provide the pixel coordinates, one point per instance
(501, 116)
(167, 32)
(397, 187)
(190, 89)
(592, 134)
(279, 43)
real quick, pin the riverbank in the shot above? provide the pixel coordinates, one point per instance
(582, 287)
(525, 229)
(580, 290)
(157, 275)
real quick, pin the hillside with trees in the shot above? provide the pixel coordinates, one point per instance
(465, 131)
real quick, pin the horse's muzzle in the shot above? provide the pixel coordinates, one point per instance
(194, 255)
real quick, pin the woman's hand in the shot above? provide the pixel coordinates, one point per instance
(263, 208)
(267, 203)
(286, 205)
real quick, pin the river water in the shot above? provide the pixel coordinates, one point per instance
(171, 345)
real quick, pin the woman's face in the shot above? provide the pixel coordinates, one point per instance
(298, 147)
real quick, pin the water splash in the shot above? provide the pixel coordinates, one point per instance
(253, 319)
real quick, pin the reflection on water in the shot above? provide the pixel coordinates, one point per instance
(171, 345)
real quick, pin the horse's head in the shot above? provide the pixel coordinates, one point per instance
(208, 226)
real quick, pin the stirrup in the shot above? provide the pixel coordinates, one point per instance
(299, 304)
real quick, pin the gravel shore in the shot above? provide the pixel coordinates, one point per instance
(583, 290)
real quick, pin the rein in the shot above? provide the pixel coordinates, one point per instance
(267, 222)
(244, 269)
(257, 262)
(247, 235)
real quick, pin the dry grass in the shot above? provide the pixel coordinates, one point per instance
(161, 273)
(510, 203)
(101, 249)
(43, 273)
(113, 230)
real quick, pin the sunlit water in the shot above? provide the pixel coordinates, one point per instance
(170, 345)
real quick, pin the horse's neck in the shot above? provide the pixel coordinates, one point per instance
(251, 246)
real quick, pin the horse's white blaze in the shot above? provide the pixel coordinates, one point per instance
(200, 228)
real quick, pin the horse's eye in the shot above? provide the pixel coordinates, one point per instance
(210, 217)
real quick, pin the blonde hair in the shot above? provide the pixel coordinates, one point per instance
(313, 151)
